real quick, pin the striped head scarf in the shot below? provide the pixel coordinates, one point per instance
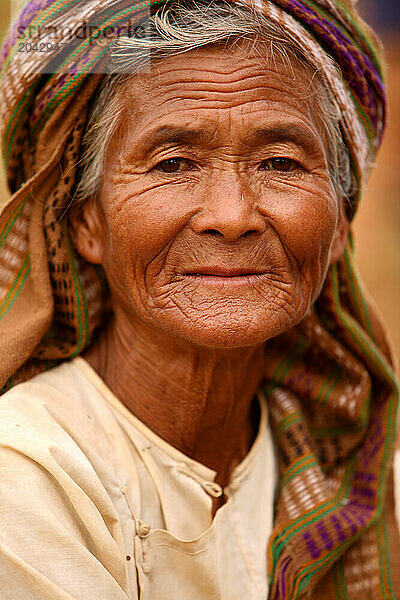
(332, 393)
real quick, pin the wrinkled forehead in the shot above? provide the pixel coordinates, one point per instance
(216, 77)
(214, 94)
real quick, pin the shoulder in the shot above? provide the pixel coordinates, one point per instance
(59, 441)
(64, 387)
(59, 409)
(56, 424)
(32, 413)
(58, 517)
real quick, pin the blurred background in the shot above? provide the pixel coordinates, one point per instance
(377, 224)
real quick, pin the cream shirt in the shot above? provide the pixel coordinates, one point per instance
(95, 506)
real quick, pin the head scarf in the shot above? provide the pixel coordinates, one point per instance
(332, 393)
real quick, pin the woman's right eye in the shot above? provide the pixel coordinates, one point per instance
(173, 165)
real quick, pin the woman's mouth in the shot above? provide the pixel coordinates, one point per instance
(219, 276)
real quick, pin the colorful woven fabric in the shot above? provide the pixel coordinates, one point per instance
(332, 393)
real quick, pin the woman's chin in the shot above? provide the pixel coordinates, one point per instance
(229, 333)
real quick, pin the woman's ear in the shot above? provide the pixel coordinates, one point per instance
(340, 236)
(87, 228)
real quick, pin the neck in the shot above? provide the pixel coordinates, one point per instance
(200, 400)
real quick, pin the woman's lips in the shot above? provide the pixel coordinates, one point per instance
(218, 276)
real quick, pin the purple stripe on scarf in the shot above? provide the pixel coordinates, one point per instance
(350, 521)
(358, 508)
(326, 31)
(311, 545)
(25, 18)
(282, 592)
(364, 492)
(32, 9)
(324, 534)
(339, 528)
(366, 477)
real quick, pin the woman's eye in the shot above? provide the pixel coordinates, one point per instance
(284, 165)
(173, 165)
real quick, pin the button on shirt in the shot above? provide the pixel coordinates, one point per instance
(96, 506)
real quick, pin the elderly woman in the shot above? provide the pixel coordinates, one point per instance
(202, 402)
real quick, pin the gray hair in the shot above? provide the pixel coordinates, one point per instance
(177, 28)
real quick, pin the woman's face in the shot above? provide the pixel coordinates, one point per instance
(216, 220)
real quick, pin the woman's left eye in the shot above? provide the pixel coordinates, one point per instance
(281, 164)
(173, 165)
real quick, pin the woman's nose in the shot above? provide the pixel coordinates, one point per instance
(229, 211)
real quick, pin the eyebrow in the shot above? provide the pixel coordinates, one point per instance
(169, 135)
(166, 135)
(288, 132)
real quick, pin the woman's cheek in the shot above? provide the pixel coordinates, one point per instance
(306, 222)
(140, 235)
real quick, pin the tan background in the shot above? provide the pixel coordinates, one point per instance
(377, 225)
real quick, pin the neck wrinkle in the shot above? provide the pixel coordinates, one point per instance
(199, 400)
